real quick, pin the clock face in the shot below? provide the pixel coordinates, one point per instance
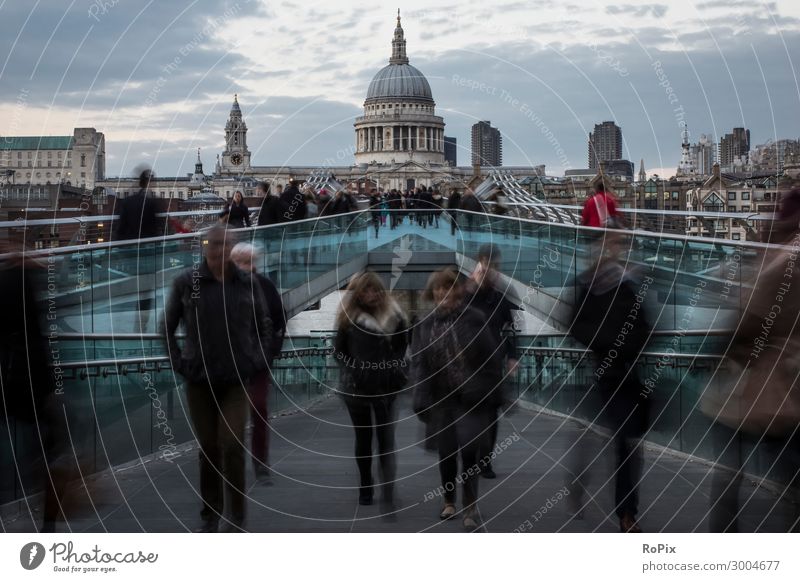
(236, 159)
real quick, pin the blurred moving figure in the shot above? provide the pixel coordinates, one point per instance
(610, 319)
(470, 203)
(246, 258)
(224, 314)
(375, 201)
(137, 213)
(456, 368)
(453, 204)
(28, 386)
(137, 220)
(759, 398)
(271, 206)
(484, 296)
(293, 202)
(370, 345)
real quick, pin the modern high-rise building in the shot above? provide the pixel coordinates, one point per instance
(734, 148)
(450, 151)
(605, 144)
(703, 155)
(487, 145)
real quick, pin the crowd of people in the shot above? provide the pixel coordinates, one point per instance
(456, 361)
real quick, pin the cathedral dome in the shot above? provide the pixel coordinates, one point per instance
(399, 81)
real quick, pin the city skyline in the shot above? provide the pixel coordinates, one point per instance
(160, 103)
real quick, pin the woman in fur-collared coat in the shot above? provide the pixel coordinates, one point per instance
(370, 344)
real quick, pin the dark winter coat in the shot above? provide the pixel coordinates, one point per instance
(223, 323)
(272, 211)
(294, 203)
(238, 215)
(137, 218)
(371, 353)
(471, 383)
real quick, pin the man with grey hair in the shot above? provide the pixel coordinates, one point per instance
(224, 314)
(246, 257)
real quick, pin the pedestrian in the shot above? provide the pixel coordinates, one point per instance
(453, 206)
(370, 346)
(238, 215)
(30, 401)
(375, 210)
(224, 315)
(455, 370)
(611, 303)
(272, 209)
(471, 205)
(600, 209)
(293, 202)
(137, 220)
(438, 205)
(246, 257)
(312, 209)
(755, 398)
(483, 294)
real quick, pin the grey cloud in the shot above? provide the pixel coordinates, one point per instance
(655, 10)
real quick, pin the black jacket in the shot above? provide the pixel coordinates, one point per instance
(272, 211)
(496, 309)
(223, 323)
(238, 215)
(371, 354)
(471, 203)
(294, 204)
(26, 380)
(276, 313)
(342, 204)
(137, 218)
(454, 202)
(481, 367)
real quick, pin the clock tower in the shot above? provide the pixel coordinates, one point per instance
(236, 157)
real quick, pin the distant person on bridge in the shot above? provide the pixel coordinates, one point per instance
(224, 313)
(453, 206)
(294, 203)
(271, 206)
(370, 345)
(600, 209)
(137, 213)
(470, 202)
(237, 212)
(137, 220)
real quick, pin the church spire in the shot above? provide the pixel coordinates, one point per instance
(642, 173)
(398, 45)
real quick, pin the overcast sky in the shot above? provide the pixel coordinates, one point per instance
(158, 78)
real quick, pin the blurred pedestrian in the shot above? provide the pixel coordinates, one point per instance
(453, 205)
(246, 257)
(137, 220)
(370, 347)
(29, 393)
(271, 206)
(484, 295)
(456, 368)
(758, 400)
(611, 320)
(224, 315)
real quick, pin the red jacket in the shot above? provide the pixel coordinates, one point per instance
(591, 213)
